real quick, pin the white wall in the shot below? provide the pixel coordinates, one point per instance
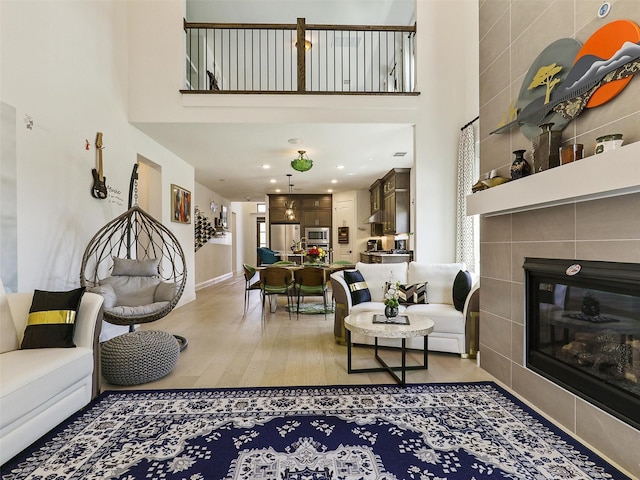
(246, 232)
(447, 69)
(65, 64)
(214, 258)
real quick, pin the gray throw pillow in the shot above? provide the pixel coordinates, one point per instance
(135, 268)
(165, 292)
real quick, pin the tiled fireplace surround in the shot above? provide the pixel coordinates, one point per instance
(512, 34)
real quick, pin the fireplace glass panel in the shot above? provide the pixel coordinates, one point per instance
(583, 332)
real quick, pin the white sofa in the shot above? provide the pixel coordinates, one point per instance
(452, 330)
(39, 388)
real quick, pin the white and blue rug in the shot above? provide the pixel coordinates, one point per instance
(469, 431)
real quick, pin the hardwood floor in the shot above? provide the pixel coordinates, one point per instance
(228, 348)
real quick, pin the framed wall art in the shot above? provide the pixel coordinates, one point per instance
(180, 204)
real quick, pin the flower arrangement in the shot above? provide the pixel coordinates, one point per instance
(391, 295)
(316, 253)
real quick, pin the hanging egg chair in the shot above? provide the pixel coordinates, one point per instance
(137, 265)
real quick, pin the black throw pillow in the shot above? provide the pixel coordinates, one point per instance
(461, 288)
(357, 287)
(52, 319)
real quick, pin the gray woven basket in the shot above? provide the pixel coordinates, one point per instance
(139, 357)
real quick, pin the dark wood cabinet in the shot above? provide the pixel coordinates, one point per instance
(316, 201)
(395, 201)
(375, 195)
(277, 207)
(316, 218)
(309, 210)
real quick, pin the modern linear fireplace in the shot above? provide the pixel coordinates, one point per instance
(583, 330)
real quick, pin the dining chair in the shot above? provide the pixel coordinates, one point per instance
(310, 281)
(276, 280)
(249, 284)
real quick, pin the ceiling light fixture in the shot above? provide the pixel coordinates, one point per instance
(289, 214)
(302, 163)
(307, 45)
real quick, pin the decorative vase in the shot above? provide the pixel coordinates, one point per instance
(390, 312)
(519, 168)
(546, 148)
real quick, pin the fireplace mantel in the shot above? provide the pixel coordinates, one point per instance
(608, 174)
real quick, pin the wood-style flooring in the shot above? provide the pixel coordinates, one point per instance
(230, 348)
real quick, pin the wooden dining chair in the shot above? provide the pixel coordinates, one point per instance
(274, 281)
(310, 281)
(249, 285)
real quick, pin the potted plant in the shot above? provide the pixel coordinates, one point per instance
(316, 254)
(391, 300)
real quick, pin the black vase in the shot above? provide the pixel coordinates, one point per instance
(390, 312)
(519, 168)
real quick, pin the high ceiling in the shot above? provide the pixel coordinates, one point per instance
(229, 158)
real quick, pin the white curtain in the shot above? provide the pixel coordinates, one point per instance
(466, 227)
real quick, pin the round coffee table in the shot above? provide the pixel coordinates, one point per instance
(363, 323)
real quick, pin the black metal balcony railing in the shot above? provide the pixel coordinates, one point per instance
(300, 58)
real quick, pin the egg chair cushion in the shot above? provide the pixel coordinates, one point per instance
(165, 292)
(139, 311)
(108, 294)
(134, 267)
(133, 291)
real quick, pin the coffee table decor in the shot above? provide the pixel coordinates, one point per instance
(399, 320)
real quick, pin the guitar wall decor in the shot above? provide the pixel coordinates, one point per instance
(99, 188)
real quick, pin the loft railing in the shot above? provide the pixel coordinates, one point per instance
(299, 58)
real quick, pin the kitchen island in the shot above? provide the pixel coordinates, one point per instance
(385, 256)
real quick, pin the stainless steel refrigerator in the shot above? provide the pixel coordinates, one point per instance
(283, 235)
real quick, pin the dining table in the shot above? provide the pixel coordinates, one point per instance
(328, 267)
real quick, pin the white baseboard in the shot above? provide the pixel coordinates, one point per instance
(213, 281)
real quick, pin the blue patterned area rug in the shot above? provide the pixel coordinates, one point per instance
(469, 431)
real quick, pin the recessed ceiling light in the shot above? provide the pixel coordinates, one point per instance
(273, 180)
(334, 181)
(266, 167)
(278, 190)
(330, 190)
(295, 141)
(340, 167)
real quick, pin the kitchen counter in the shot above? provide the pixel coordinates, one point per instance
(385, 257)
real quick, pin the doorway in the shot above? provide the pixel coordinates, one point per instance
(149, 187)
(345, 217)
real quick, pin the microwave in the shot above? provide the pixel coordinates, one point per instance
(317, 235)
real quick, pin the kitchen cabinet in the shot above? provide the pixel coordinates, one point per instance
(316, 201)
(277, 207)
(316, 218)
(396, 201)
(309, 210)
(375, 196)
(376, 257)
(375, 200)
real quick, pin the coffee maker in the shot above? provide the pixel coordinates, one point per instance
(400, 245)
(374, 244)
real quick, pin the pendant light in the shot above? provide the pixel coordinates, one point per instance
(289, 214)
(302, 163)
